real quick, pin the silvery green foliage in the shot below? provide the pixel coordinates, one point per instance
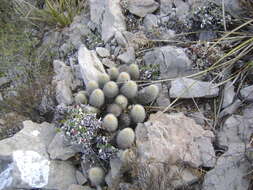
(85, 130)
(209, 17)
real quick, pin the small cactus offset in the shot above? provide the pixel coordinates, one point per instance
(123, 77)
(138, 113)
(96, 176)
(134, 71)
(102, 79)
(122, 101)
(113, 73)
(129, 89)
(80, 98)
(148, 94)
(125, 138)
(111, 89)
(91, 86)
(110, 123)
(97, 98)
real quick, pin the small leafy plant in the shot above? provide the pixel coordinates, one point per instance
(84, 130)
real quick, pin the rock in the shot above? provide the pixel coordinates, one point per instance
(121, 40)
(247, 93)
(129, 39)
(63, 93)
(230, 109)
(79, 187)
(75, 32)
(141, 7)
(150, 22)
(1, 97)
(102, 52)
(190, 88)
(108, 63)
(173, 139)
(186, 177)
(60, 149)
(30, 166)
(80, 178)
(229, 94)
(108, 17)
(4, 81)
(198, 117)
(113, 177)
(247, 111)
(230, 171)
(128, 57)
(180, 7)
(64, 82)
(96, 11)
(236, 130)
(90, 64)
(173, 61)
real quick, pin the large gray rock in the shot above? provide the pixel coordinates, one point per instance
(90, 65)
(230, 171)
(174, 139)
(108, 17)
(60, 148)
(190, 88)
(141, 7)
(29, 163)
(173, 61)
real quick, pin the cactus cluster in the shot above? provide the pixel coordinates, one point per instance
(120, 100)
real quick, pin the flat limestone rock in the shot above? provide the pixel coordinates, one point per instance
(141, 7)
(90, 65)
(190, 88)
